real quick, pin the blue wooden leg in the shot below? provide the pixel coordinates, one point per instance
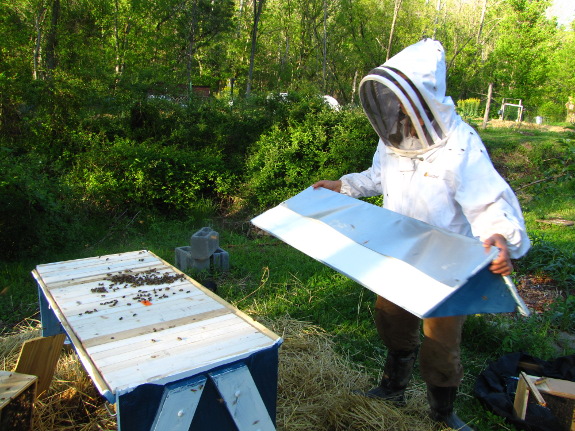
(178, 405)
(242, 399)
(235, 397)
(50, 324)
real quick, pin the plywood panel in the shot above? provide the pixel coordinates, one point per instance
(38, 357)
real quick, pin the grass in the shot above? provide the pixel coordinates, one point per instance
(540, 166)
(270, 279)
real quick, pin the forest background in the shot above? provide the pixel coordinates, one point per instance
(100, 106)
(113, 108)
(110, 109)
(128, 123)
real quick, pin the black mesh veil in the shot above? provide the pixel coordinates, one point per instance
(382, 92)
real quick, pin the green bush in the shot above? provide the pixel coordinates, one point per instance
(210, 124)
(469, 108)
(133, 175)
(561, 314)
(154, 119)
(33, 213)
(547, 259)
(314, 145)
(552, 111)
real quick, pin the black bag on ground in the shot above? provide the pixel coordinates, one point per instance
(496, 385)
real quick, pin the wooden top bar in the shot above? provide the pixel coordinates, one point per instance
(134, 319)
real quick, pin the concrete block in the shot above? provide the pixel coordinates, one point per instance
(201, 264)
(184, 258)
(218, 260)
(204, 243)
(221, 260)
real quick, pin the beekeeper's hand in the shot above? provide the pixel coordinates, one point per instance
(330, 185)
(502, 263)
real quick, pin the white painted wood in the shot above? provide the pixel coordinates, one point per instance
(175, 337)
(56, 266)
(90, 367)
(412, 264)
(96, 268)
(242, 399)
(169, 347)
(178, 406)
(114, 338)
(353, 259)
(62, 288)
(211, 329)
(161, 369)
(106, 322)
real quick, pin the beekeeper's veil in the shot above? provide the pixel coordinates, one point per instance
(414, 78)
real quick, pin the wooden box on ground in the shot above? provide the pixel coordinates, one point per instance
(17, 394)
(167, 351)
(563, 409)
(555, 394)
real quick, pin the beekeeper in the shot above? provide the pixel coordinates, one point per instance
(431, 166)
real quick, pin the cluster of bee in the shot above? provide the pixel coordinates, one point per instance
(100, 289)
(110, 303)
(150, 277)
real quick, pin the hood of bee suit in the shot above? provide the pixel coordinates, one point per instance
(416, 79)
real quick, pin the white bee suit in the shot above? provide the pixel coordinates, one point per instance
(442, 175)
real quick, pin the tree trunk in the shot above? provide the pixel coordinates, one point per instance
(353, 87)
(52, 38)
(437, 11)
(120, 40)
(258, 6)
(191, 50)
(117, 38)
(392, 31)
(38, 45)
(324, 69)
(481, 21)
(487, 106)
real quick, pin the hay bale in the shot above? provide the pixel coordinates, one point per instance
(11, 342)
(315, 389)
(316, 384)
(72, 403)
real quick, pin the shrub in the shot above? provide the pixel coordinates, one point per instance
(315, 144)
(154, 119)
(32, 214)
(468, 108)
(545, 258)
(552, 111)
(128, 174)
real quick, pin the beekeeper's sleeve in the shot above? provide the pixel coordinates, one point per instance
(366, 183)
(488, 202)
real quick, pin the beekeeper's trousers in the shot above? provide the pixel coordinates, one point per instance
(439, 354)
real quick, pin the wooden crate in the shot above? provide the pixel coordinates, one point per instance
(556, 394)
(143, 330)
(17, 394)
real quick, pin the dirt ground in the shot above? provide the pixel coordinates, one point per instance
(525, 126)
(538, 292)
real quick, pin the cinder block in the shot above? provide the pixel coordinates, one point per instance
(201, 264)
(204, 243)
(221, 260)
(184, 258)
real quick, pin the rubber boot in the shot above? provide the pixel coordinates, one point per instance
(396, 375)
(441, 402)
